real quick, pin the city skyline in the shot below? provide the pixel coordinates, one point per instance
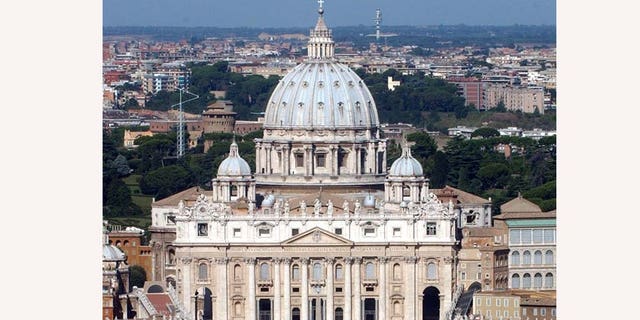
(268, 14)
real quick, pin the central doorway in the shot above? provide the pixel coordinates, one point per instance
(431, 304)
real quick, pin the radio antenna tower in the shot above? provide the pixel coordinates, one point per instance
(378, 20)
(379, 34)
(180, 138)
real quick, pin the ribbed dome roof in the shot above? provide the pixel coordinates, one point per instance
(234, 165)
(406, 165)
(112, 253)
(321, 94)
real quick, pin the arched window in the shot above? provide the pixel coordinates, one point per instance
(432, 271)
(202, 272)
(537, 257)
(515, 258)
(369, 271)
(339, 315)
(537, 281)
(317, 271)
(295, 272)
(339, 272)
(171, 256)
(548, 257)
(397, 308)
(397, 272)
(526, 281)
(238, 308)
(548, 280)
(237, 272)
(526, 258)
(264, 271)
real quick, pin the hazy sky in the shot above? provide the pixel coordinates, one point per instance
(302, 13)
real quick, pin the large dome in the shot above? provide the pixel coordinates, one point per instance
(321, 94)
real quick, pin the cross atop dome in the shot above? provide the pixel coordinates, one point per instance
(321, 45)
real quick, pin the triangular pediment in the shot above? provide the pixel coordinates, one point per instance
(317, 236)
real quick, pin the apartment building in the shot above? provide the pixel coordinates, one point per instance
(525, 99)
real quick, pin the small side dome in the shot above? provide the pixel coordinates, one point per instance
(234, 165)
(268, 201)
(406, 165)
(112, 253)
(369, 201)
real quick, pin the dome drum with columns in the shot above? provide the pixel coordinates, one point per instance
(321, 124)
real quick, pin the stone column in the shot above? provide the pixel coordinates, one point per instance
(356, 155)
(307, 155)
(383, 288)
(251, 301)
(410, 289)
(445, 278)
(333, 160)
(268, 170)
(329, 263)
(276, 288)
(287, 288)
(221, 286)
(258, 157)
(348, 261)
(186, 283)
(304, 301)
(356, 295)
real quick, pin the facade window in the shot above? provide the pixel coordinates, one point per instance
(543, 311)
(514, 236)
(339, 315)
(299, 160)
(237, 272)
(431, 228)
(515, 258)
(236, 232)
(526, 258)
(203, 229)
(548, 257)
(202, 272)
(339, 272)
(478, 275)
(488, 301)
(369, 271)
(535, 311)
(548, 280)
(537, 257)
(553, 312)
(432, 273)
(264, 232)
(396, 232)
(497, 302)
(337, 230)
(549, 235)
(525, 236)
(295, 231)
(369, 232)
(515, 281)
(537, 281)
(397, 272)
(264, 271)
(317, 271)
(515, 313)
(506, 313)
(537, 236)
(320, 160)
(295, 272)
(463, 275)
(526, 281)
(478, 302)
(506, 302)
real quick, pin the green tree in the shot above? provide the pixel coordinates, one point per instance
(165, 181)
(438, 178)
(494, 175)
(485, 132)
(137, 276)
(500, 107)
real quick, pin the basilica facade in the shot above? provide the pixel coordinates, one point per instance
(322, 229)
